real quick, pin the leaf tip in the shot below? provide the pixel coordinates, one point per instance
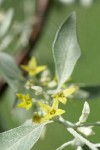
(72, 16)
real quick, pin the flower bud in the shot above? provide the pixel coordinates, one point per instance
(87, 131)
(85, 113)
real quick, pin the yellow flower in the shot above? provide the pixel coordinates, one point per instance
(26, 101)
(50, 112)
(32, 67)
(62, 95)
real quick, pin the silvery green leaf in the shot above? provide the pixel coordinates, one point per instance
(80, 140)
(6, 22)
(85, 113)
(92, 90)
(82, 94)
(66, 49)
(1, 2)
(6, 42)
(9, 69)
(67, 1)
(86, 2)
(20, 138)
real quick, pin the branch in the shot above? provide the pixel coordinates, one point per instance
(88, 124)
(82, 139)
(70, 127)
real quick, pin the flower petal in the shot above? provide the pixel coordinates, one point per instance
(63, 100)
(55, 104)
(26, 68)
(26, 101)
(46, 118)
(45, 107)
(40, 68)
(49, 116)
(21, 105)
(32, 63)
(60, 97)
(24, 105)
(59, 112)
(70, 90)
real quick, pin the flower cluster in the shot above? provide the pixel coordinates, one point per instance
(50, 112)
(50, 108)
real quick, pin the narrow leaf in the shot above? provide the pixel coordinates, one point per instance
(6, 22)
(9, 69)
(6, 42)
(1, 2)
(66, 49)
(20, 138)
(93, 90)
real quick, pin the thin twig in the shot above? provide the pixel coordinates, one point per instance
(70, 128)
(88, 124)
(82, 139)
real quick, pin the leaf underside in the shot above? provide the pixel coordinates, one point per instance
(20, 138)
(66, 49)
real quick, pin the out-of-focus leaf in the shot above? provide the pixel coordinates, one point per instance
(6, 42)
(82, 2)
(66, 49)
(9, 69)
(81, 94)
(20, 138)
(6, 22)
(1, 2)
(67, 1)
(86, 2)
(89, 92)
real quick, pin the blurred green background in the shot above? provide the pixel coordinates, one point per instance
(86, 71)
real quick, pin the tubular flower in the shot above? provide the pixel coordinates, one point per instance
(26, 101)
(50, 112)
(32, 67)
(62, 95)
